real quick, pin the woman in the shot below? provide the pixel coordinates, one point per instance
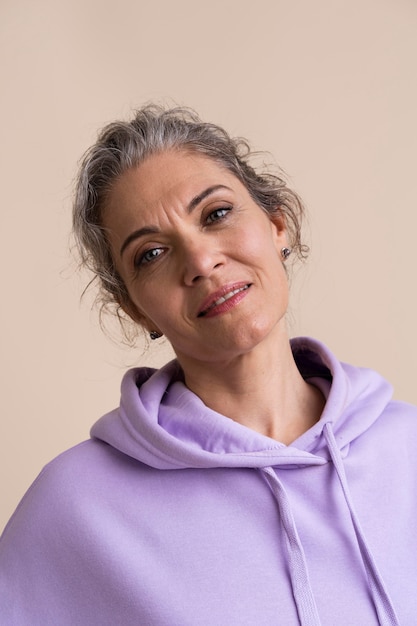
(253, 480)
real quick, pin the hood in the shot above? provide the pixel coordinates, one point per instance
(164, 425)
(161, 423)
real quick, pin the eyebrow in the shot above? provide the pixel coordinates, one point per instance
(152, 230)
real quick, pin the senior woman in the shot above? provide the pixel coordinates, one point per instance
(254, 479)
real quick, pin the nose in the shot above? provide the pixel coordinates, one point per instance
(200, 258)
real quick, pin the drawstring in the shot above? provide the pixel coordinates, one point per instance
(303, 594)
(382, 602)
(302, 591)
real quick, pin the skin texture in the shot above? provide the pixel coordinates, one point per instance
(184, 232)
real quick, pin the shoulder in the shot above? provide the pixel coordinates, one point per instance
(402, 416)
(390, 441)
(60, 531)
(398, 422)
(70, 482)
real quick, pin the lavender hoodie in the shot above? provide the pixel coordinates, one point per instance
(174, 515)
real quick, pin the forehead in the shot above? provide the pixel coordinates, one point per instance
(168, 177)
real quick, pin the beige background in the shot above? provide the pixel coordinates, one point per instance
(329, 87)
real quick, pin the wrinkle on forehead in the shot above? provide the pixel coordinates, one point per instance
(170, 181)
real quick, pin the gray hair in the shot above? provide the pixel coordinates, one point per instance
(124, 145)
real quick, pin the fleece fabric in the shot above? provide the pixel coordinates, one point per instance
(174, 515)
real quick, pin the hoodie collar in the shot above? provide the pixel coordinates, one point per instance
(163, 424)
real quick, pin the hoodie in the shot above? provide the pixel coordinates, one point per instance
(175, 515)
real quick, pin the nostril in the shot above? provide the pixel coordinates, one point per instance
(200, 265)
(199, 276)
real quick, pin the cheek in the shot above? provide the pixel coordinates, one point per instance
(260, 245)
(158, 307)
(146, 305)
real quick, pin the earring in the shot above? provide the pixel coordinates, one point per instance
(285, 253)
(154, 335)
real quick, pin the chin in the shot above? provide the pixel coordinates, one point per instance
(243, 341)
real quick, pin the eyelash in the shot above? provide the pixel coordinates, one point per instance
(149, 255)
(224, 210)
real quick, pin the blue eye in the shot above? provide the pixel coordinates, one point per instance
(217, 215)
(148, 256)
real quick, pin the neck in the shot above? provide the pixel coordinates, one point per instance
(262, 390)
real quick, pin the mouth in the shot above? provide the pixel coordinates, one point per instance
(221, 299)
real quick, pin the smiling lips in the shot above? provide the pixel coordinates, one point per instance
(222, 299)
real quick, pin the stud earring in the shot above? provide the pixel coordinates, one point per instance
(285, 253)
(154, 335)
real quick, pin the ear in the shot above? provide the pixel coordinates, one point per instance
(279, 229)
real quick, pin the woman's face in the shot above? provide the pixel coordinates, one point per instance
(200, 260)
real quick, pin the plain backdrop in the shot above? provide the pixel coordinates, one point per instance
(328, 87)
